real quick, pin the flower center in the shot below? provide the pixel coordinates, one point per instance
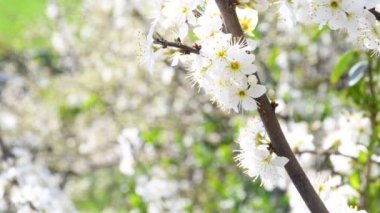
(321, 187)
(184, 9)
(235, 65)
(245, 24)
(242, 93)
(267, 159)
(221, 53)
(334, 4)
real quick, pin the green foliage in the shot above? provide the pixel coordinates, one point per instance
(106, 187)
(317, 32)
(92, 102)
(16, 17)
(272, 64)
(343, 65)
(373, 195)
(152, 135)
(354, 180)
(68, 112)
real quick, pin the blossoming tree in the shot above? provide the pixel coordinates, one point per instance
(221, 59)
(294, 105)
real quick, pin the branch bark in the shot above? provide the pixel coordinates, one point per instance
(375, 13)
(5, 153)
(183, 48)
(268, 116)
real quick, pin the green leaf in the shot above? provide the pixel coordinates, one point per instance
(344, 62)
(93, 101)
(354, 180)
(68, 113)
(318, 32)
(272, 63)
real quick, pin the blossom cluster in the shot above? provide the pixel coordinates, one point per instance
(348, 134)
(29, 186)
(224, 67)
(353, 18)
(225, 70)
(256, 156)
(332, 190)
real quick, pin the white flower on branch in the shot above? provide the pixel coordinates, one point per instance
(264, 164)
(257, 158)
(210, 21)
(248, 19)
(224, 65)
(353, 17)
(370, 29)
(179, 14)
(243, 96)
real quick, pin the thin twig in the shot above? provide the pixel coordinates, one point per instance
(183, 48)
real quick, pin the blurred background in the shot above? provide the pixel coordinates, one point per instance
(83, 128)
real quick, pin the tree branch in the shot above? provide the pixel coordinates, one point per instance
(5, 153)
(375, 13)
(267, 114)
(183, 48)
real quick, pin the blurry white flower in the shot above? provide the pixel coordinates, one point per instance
(298, 136)
(52, 10)
(8, 121)
(179, 14)
(128, 140)
(347, 134)
(160, 194)
(342, 164)
(29, 183)
(210, 21)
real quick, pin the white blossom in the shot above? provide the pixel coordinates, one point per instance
(257, 159)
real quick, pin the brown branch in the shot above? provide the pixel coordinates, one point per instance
(5, 153)
(375, 13)
(183, 48)
(268, 116)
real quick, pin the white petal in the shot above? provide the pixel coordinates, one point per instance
(257, 91)
(280, 161)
